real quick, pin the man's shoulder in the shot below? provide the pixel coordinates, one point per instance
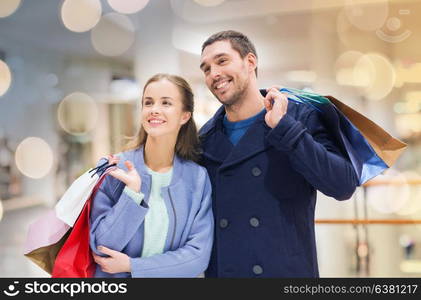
(300, 111)
(210, 124)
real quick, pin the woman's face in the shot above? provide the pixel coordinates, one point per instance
(162, 109)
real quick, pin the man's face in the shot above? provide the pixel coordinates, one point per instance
(226, 74)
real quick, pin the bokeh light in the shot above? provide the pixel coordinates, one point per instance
(408, 124)
(34, 157)
(8, 7)
(77, 113)
(389, 197)
(5, 78)
(413, 205)
(128, 6)
(365, 71)
(209, 3)
(80, 15)
(1, 210)
(366, 16)
(407, 74)
(113, 35)
(344, 70)
(378, 72)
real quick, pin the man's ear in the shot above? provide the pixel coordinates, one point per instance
(185, 117)
(252, 62)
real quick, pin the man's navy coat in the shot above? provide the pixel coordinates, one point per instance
(264, 193)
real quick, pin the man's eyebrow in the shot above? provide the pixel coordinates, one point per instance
(215, 57)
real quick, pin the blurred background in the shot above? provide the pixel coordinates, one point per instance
(72, 72)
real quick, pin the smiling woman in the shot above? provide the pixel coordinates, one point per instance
(158, 199)
(165, 95)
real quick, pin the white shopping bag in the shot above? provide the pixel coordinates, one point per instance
(70, 205)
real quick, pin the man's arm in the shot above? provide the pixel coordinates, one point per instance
(311, 150)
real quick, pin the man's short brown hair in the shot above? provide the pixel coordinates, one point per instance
(239, 42)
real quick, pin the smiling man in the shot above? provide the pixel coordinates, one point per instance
(266, 158)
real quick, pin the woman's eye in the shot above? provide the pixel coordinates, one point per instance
(147, 103)
(166, 103)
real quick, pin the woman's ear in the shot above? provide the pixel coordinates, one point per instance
(185, 117)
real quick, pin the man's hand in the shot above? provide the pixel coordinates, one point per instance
(276, 104)
(117, 262)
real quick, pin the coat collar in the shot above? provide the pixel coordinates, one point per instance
(139, 161)
(220, 113)
(217, 147)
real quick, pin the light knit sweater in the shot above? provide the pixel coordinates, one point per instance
(156, 220)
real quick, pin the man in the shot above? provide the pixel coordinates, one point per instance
(266, 158)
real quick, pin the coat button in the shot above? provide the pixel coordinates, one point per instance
(223, 223)
(256, 171)
(254, 222)
(257, 269)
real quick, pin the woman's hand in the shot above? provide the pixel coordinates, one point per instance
(131, 178)
(117, 262)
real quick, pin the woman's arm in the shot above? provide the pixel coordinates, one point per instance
(114, 221)
(191, 259)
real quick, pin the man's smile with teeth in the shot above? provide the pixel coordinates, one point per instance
(222, 84)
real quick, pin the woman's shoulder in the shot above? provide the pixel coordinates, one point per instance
(193, 172)
(189, 164)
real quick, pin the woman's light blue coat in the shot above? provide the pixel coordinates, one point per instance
(117, 222)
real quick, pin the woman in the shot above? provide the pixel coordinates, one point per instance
(152, 217)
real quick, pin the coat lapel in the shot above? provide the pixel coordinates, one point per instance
(218, 147)
(252, 142)
(215, 144)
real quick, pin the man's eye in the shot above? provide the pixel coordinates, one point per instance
(221, 61)
(206, 70)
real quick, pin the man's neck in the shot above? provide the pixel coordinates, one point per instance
(250, 105)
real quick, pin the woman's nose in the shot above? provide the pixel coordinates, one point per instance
(155, 109)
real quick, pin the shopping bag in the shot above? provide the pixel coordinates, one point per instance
(44, 239)
(47, 234)
(75, 257)
(370, 148)
(386, 146)
(70, 205)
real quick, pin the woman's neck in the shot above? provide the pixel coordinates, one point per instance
(159, 153)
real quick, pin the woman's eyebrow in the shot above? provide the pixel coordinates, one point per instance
(164, 98)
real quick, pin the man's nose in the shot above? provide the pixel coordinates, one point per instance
(215, 73)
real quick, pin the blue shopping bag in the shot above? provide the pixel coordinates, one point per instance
(369, 147)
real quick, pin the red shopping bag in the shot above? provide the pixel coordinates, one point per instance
(75, 257)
